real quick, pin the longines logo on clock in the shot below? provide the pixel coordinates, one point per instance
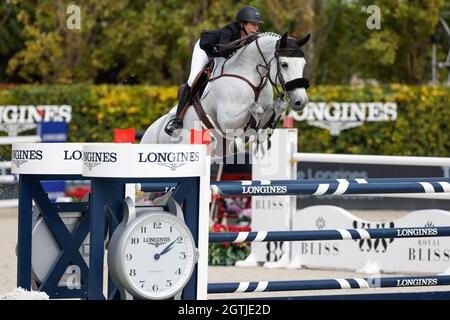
(93, 159)
(172, 160)
(156, 241)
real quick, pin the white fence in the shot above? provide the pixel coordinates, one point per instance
(380, 160)
(370, 159)
(19, 139)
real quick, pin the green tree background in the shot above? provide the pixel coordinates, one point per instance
(142, 41)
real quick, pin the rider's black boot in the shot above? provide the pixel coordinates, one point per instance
(176, 123)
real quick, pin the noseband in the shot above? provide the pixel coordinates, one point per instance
(297, 83)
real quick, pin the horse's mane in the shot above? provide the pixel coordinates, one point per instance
(270, 34)
(261, 35)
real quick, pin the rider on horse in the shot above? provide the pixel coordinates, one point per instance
(211, 45)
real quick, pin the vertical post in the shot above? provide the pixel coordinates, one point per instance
(96, 229)
(293, 144)
(25, 222)
(106, 194)
(188, 194)
(204, 198)
(195, 194)
(120, 190)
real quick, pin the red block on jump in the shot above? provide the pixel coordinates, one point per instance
(124, 135)
(288, 122)
(200, 136)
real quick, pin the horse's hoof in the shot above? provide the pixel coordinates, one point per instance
(256, 109)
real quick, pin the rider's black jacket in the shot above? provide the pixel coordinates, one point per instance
(209, 40)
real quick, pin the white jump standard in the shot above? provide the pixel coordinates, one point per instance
(110, 167)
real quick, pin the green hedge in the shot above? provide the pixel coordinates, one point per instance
(422, 126)
(97, 110)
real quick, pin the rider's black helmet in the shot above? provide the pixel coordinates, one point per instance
(250, 14)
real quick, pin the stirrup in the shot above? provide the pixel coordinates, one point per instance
(172, 125)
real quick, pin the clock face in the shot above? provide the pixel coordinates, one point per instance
(158, 256)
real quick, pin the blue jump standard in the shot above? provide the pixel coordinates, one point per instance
(337, 234)
(327, 284)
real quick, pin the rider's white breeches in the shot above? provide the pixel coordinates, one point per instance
(199, 60)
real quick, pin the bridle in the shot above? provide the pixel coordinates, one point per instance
(264, 78)
(286, 86)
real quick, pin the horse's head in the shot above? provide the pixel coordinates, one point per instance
(290, 62)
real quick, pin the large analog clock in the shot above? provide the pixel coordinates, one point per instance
(152, 254)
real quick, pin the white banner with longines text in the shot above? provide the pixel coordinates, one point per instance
(144, 161)
(46, 158)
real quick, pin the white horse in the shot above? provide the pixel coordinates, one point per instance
(239, 95)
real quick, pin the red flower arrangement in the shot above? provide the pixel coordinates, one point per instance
(228, 253)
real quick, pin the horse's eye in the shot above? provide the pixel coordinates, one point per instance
(284, 65)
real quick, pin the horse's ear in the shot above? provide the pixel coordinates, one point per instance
(283, 40)
(303, 41)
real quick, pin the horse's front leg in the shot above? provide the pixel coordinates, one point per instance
(256, 115)
(272, 114)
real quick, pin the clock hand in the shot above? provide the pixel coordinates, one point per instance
(166, 249)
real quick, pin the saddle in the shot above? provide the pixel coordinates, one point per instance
(198, 87)
(200, 82)
(202, 79)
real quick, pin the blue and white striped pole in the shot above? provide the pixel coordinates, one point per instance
(155, 187)
(327, 284)
(292, 187)
(337, 234)
(428, 183)
(331, 181)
